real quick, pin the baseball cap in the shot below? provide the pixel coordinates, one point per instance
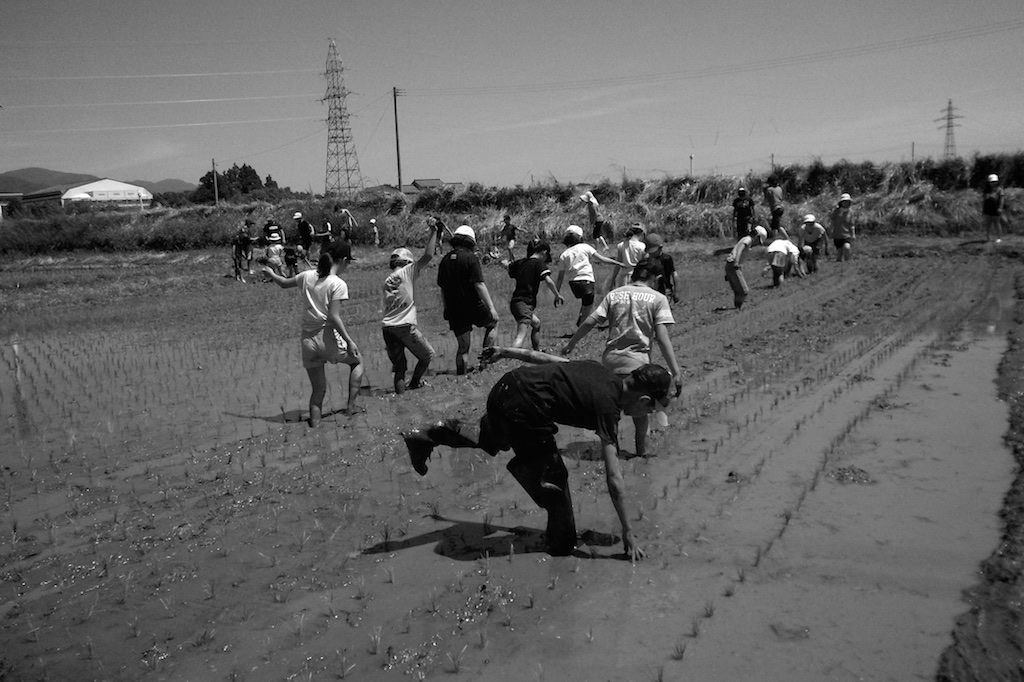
(402, 253)
(654, 241)
(575, 229)
(741, 190)
(993, 178)
(373, 221)
(761, 232)
(809, 218)
(654, 380)
(845, 197)
(465, 231)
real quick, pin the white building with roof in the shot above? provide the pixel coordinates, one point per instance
(105, 191)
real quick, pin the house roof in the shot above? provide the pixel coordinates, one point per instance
(90, 190)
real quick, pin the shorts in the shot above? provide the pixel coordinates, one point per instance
(521, 310)
(599, 226)
(583, 290)
(465, 322)
(779, 260)
(840, 243)
(325, 345)
(398, 339)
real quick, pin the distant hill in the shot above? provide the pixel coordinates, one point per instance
(164, 186)
(27, 180)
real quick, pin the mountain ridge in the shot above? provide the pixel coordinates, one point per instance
(33, 179)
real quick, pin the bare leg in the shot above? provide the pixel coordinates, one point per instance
(355, 380)
(522, 329)
(535, 333)
(318, 381)
(462, 352)
(489, 334)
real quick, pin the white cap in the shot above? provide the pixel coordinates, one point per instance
(993, 178)
(588, 197)
(844, 197)
(373, 221)
(402, 254)
(761, 232)
(465, 231)
(809, 218)
(297, 216)
(575, 229)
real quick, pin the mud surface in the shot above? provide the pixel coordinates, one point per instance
(832, 480)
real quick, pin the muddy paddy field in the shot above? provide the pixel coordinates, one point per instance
(835, 496)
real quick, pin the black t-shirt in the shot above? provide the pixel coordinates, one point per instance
(668, 268)
(580, 393)
(743, 208)
(528, 274)
(457, 275)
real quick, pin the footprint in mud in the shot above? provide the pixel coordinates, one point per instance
(789, 633)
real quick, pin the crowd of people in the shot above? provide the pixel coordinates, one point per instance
(528, 403)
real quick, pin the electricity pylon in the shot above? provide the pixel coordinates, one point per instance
(949, 151)
(342, 164)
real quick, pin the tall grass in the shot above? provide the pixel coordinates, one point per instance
(934, 197)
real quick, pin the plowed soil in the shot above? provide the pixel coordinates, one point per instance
(836, 496)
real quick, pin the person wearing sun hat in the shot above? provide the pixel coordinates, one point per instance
(810, 238)
(742, 212)
(656, 249)
(842, 229)
(399, 326)
(734, 264)
(992, 204)
(597, 224)
(524, 409)
(467, 302)
(575, 264)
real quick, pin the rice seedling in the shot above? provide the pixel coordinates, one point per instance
(694, 632)
(679, 650)
(709, 609)
(729, 590)
(455, 662)
(375, 641)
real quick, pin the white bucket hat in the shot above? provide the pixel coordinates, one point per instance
(993, 178)
(761, 232)
(297, 216)
(809, 218)
(575, 229)
(845, 197)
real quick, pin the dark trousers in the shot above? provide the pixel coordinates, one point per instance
(512, 422)
(738, 283)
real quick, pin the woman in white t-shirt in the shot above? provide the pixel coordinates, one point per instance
(324, 336)
(575, 263)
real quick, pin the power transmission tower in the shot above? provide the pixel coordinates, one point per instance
(949, 151)
(342, 165)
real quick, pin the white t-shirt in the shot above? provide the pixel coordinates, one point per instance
(783, 246)
(318, 294)
(399, 296)
(575, 260)
(632, 312)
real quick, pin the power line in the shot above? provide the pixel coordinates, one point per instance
(729, 69)
(155, 126)
(216, 74)
(157, 102)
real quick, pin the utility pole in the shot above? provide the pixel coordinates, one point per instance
(949, 151)
(341, 151)
(398, 150)
(216, 197)
(691, 165)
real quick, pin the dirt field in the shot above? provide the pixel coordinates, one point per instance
(829, 486)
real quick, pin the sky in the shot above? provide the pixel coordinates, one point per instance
(504, 92)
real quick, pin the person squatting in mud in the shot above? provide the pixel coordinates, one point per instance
(783, 260)
(734, 266)
(524, 409)
(324, 337)
(811, 240)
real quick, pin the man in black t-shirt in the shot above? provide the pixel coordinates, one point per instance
(742, 213)
(524, 410)
(305, 231)
(656, 250)
(467, 302)
(528, 273)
